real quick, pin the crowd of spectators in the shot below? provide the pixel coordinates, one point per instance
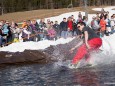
(102, 23)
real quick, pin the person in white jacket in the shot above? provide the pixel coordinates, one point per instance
(112, 24)
(94, 24)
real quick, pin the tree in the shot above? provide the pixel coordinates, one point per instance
(23, 5)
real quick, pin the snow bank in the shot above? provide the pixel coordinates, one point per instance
(21, 46)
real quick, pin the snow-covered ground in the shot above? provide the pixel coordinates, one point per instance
(108, 42)
(109, 9)
(21, 46)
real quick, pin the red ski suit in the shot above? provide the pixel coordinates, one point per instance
(94, 44)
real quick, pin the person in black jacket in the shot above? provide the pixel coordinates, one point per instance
(0, 35)
(57, 29)
(75, 30)
(63, 26)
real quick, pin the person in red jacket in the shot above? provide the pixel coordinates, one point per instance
(70, 27)
(103, 26)
(91, 42)
(70, 24)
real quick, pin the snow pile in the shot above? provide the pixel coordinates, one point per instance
(21, 46)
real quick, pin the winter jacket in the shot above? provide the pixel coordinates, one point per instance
(63, 26)
(70, 25)
(103, 25)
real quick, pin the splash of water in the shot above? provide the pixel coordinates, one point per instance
(103, 57)
(108, 52)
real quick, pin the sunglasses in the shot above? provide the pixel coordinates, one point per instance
(78, 26)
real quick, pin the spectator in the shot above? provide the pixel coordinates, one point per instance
(42, 29)
(108, 25)
(9, 37)
(4, 32)
(64, 27)
(79, 19)
(102, 10)
(75, 31)
(34, 31)
(52, 32)
(98, 17)
(112, 24)
(85, 20)
(25, 34)
(103, 26)
(94, 24)
(102, 15)
(70, 27)
(0, 34)
(48, 23)
(24, 23)
(72, 16)
(13, 31)
(57, 29)
(80, 15)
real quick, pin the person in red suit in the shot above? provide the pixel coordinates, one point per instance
(91, 42)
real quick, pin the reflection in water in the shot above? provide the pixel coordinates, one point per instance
(50, 75)
(86, 77)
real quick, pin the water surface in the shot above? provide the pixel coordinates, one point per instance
(52, 75)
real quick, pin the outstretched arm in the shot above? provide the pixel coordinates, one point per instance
(72, 49)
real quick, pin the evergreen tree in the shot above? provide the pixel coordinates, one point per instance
(24, 5)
